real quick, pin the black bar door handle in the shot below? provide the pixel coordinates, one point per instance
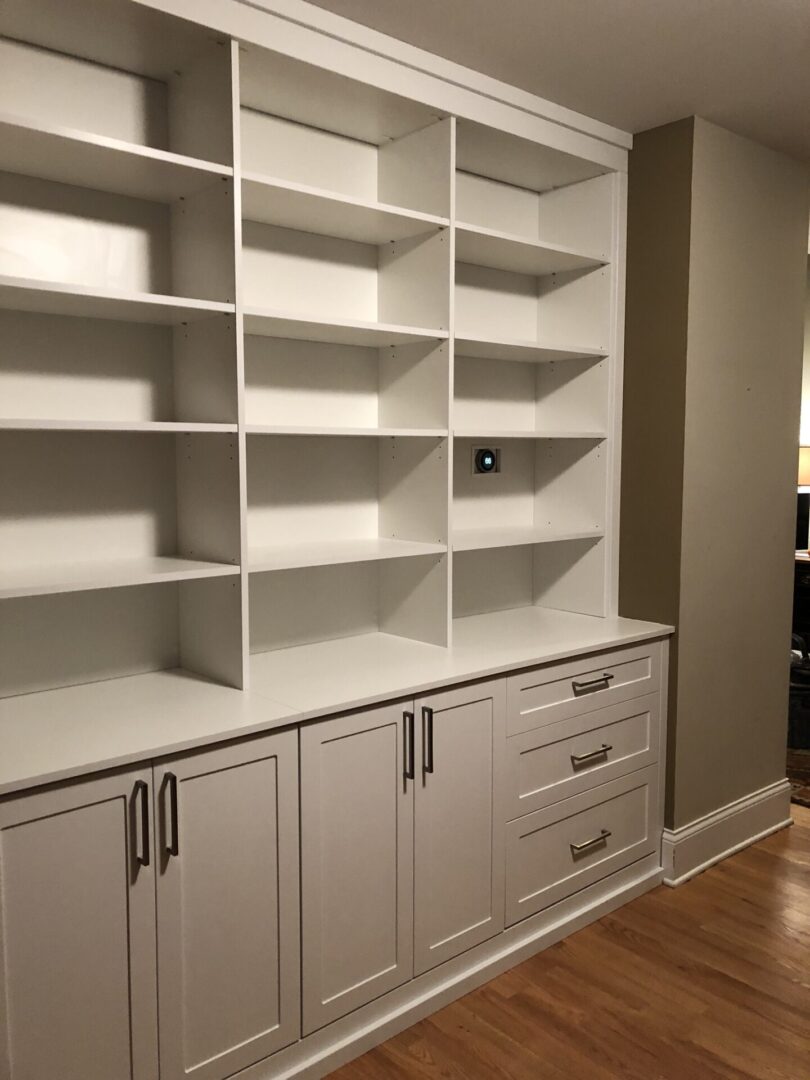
(173, 831)
(427, 736)
(143, 852)
(410, 751)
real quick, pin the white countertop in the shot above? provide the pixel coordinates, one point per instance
(71, 731)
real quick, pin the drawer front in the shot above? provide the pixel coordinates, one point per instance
(557, 851)
(557, 761)
(549, 694)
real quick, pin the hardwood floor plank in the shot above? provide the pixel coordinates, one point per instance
(710, 981)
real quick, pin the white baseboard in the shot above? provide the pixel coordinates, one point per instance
(320, 1053)
(702, 843)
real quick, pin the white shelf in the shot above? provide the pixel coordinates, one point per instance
(507, 434)
(478, 539)
(58, 298)
(316, 210)
(145, 426)
(70, 731)
(83, 577)
(68, 156)
(56, 734)
(266, 323)
(508, 251)
(333, 553)
(523, 351)
(379, 432)
(351, 672)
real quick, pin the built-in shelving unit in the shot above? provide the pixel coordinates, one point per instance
(318, 298)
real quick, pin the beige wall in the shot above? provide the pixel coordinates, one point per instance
(805, 425)
(711, 427)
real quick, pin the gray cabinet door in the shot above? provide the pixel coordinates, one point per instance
(227, 903)
(356, 861)
(459, 821)
(77, 932)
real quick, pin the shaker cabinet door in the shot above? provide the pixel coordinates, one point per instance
(357, 860)
(227, 904)
(458, 847)
(77, 932)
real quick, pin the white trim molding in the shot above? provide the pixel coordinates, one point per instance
(695, 847)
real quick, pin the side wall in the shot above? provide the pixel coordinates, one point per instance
(712, 397)
(743, 393)
(658, 235)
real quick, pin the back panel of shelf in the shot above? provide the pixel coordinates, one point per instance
(106, 370)
(567, 575)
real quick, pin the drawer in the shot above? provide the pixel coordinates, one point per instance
(552, 693)
(557, 761)
(554, 852)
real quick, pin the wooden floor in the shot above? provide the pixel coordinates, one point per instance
(707, 981)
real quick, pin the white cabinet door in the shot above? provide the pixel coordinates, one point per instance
(77, 932)
(459, 847)
(356, 860)
(227, 902)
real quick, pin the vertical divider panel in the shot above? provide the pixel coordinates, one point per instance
(416, 286)
(210, 468)
(199, 107)
(240, 361)
(615, 381)
(451, 374)
(416, 170)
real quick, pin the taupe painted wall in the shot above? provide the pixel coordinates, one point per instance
(805, 425)
(716, 294)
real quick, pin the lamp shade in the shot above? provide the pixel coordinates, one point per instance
(804, 466)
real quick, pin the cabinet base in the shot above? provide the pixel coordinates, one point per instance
(348, 1038)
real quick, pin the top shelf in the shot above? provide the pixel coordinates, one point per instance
(508, 251)
(316, 210)
(68, 156)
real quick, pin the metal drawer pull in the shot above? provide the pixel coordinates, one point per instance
(427, 739)
(408, 729)
(143, 855)
(577, 849)
(172, 841)
(602, 683)
(580, 759)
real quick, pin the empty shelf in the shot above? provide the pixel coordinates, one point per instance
(156, 426)
(476, 539)
(334, 552)
(505, 251)
(315, 210)
(81, 577)
(104, 164)
(507, 434)
(58, 298)
(380, 432)
(334, 331)
(524, 351)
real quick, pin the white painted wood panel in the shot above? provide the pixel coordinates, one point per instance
(55, 232)
(56, 88)
(68, 155)
(80, 637)
(357, 862)
(77, 932)
(227, 903)
(552, 853)
(558, 761)
(458, 833)
(553, 693)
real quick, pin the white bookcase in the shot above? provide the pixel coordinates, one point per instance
(256, 317)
